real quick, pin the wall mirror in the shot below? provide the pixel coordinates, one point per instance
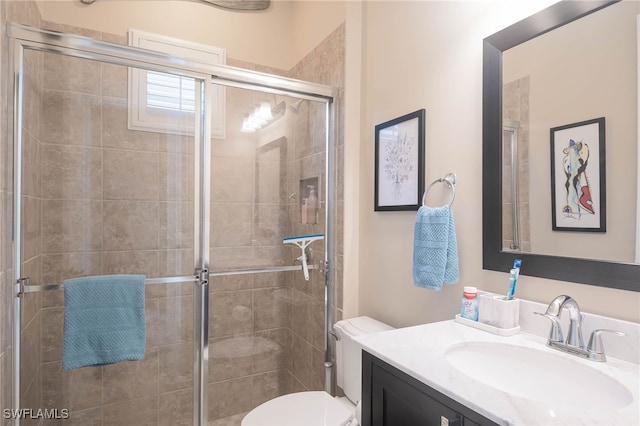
(571, 63)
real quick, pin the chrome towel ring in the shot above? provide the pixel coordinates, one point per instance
(450, 180)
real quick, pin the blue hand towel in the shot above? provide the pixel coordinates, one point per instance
(435, 251)
(103, 320)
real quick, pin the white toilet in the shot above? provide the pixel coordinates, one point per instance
(318, 408)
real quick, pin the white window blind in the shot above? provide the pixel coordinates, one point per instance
(171, 92)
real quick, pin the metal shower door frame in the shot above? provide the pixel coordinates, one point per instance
(23, 37)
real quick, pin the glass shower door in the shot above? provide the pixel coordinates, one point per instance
(99, 197)
(266, 322)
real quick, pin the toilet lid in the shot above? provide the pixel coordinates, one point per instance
(315, 408)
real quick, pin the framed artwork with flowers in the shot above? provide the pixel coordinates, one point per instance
(399, 163)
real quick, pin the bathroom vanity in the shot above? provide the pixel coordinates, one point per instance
(448, 373)
(391, 397)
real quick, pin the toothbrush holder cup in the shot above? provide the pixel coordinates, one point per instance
(496, 310)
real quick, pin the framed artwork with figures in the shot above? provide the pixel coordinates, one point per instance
(578, 200)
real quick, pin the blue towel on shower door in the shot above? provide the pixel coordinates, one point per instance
(103, 320)
(435, 251)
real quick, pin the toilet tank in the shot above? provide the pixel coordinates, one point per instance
(349, 352)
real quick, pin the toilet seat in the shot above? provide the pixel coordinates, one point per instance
(315, 408)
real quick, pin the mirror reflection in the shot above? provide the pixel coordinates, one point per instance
(582, 71)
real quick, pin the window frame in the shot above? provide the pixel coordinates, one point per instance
(151, 119)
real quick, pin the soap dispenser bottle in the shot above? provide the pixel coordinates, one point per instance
(312, 205)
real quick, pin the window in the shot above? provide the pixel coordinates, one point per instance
(163, 102)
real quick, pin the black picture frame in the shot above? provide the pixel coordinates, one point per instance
(399, 163)
(578, 176)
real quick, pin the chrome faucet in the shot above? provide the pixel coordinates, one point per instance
(574, 344)
(574, 336)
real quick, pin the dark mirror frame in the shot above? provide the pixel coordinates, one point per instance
(623, 276)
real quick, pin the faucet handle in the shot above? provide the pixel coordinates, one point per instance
(555, 334)
(595, 345)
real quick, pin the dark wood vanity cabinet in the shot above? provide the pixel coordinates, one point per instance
(393, 398)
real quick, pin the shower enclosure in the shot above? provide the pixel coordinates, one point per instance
(203, 218)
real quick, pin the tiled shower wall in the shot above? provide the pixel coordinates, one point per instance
(266, 331)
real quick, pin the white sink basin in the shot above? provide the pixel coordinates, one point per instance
(553, 379)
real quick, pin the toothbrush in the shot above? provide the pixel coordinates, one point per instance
(513, 277)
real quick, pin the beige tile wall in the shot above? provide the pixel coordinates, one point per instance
(113, 200)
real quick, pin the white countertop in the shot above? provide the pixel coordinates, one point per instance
(419, 351)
